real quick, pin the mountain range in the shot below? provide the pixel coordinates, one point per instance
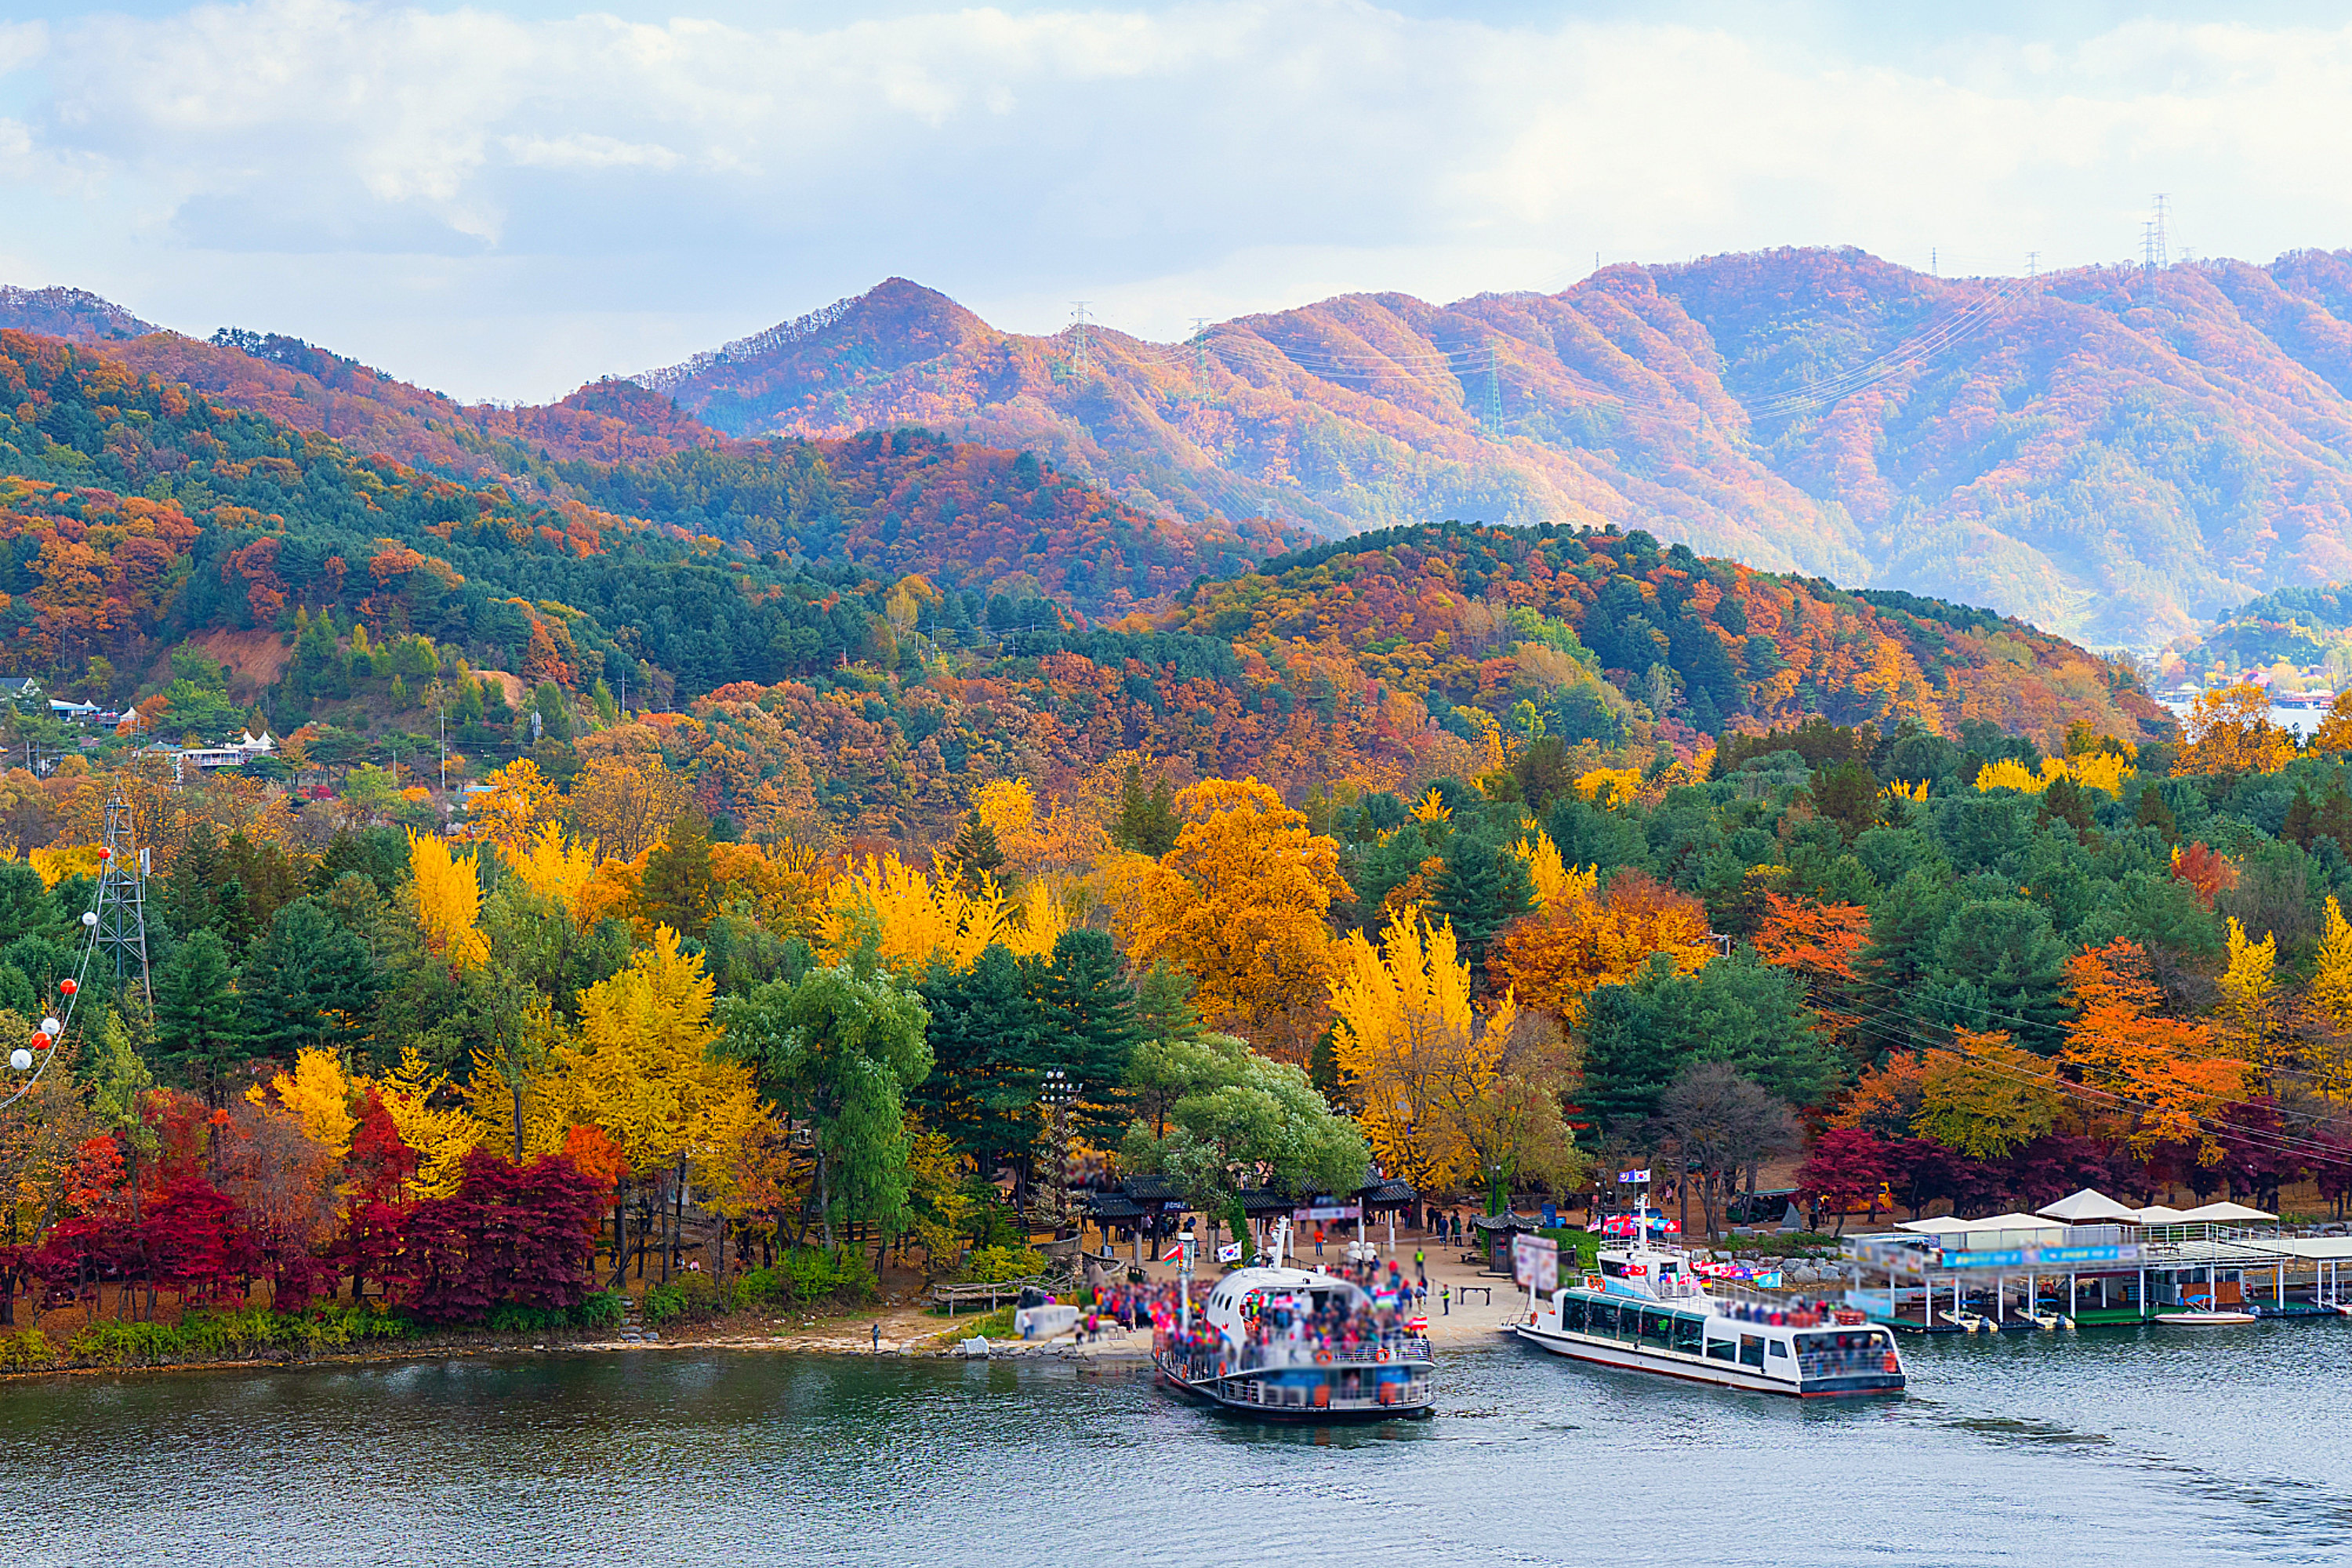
(2114, 453)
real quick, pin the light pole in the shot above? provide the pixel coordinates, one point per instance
(1056, 1094)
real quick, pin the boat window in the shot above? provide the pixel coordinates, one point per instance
(1612, 1267)
(1657, 1327)
(1778, 1348)
(1751, 1350)
(1688, 1332)
(1720, 1350)
(1571, 1314)
(1603, 1319)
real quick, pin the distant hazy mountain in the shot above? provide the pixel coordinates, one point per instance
(2108, 452)
(75, 313)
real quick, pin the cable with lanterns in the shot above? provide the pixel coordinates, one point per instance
(36, 1056)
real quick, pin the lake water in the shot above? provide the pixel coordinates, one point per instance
(2140, 1446)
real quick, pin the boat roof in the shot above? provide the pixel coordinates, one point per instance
(1248, 1279)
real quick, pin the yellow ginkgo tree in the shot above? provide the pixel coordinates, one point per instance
(448, 901)
(553, 866)
(641, 1065)
(1410, 1052)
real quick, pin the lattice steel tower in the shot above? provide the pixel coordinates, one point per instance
(120, 916)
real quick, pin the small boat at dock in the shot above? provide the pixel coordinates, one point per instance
(2203, 1318)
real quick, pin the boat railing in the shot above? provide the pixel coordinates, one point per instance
(1204, 1361)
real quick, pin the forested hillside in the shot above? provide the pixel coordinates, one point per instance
(2111, 453)
(872, 686)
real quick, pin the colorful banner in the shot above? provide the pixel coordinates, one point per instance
(1535, 1262)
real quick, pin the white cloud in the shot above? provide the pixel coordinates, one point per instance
(595, 182)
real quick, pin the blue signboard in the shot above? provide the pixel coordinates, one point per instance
(1551, 1217)
(2013, 1259)
(2041, 1257)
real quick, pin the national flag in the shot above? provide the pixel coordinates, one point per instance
(1230, 1253)
(1175, 1251)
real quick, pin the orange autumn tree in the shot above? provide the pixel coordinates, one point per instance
(2230, 732)
(1554, 958)
(2168, 1074)
(1240, 904)
(1820, 941)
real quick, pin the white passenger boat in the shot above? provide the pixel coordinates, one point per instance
(2205, 1318)
(1647, 1310)
(1263, 1345)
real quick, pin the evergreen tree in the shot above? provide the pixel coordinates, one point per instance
(26, 907)
(2064, 801)
(1086, 1010)
(988, 1048)
(1164, 1004)
(308, 983)
(192, 892)
(1640, 1037)
(1483, 888)
(977, 853)
(2153, 813)
(2335, 817)
(677, 883)
(2301, 823)
(1147, 822)
(200, 1028)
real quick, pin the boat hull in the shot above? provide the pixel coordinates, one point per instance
(1315, 1394)
(1694, 1369)
(2206, 1319)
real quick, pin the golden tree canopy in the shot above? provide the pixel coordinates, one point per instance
(641, 1065)
(1240, 903)
(519, 801)
(2230, 732)
(625, 803)
(1553, 959)
(448, 901)
(552, 867)
(1410, 1051)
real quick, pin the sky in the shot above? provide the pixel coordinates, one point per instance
(503, 201)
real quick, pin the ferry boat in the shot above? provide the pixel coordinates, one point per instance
(1253, 1349)
(1648, 1310)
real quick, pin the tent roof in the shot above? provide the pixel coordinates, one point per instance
(2014, 1221)
(1940, 1225)
(2158, 1213)
(2224, 1211)
(2089, 1206)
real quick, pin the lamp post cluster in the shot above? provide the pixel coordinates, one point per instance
(1056, 1093)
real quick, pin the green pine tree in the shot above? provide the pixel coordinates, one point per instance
(1483, 888)
(200, 1027)
(308, 983)
(677, 876)
(1147, 822)
(977, 853)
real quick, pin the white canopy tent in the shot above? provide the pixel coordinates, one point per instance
(2222, 1213)
(2089, 1206)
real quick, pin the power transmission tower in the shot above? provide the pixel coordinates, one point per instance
(1934, 264)
(1200, 347)
(2162, 258)
(2033, 264)
(118, 920)
(1079, 364)
(2147, 246)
